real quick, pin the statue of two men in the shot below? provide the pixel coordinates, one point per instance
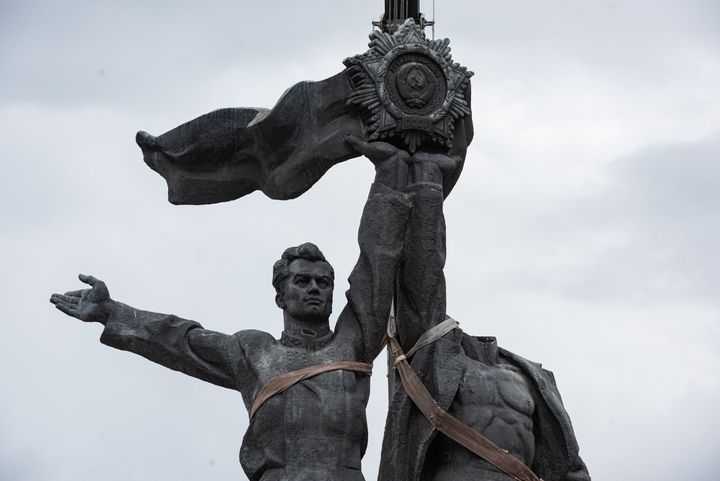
(307, 391)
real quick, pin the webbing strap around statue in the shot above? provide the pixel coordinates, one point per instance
(432, 335)
(451, 426)
(283, 382)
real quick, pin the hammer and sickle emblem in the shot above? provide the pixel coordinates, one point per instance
(415, 84)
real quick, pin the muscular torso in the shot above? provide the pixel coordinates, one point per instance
(317, 429)
(494, 399)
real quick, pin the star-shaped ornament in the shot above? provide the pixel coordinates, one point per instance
(409, 87)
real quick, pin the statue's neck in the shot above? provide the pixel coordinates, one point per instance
(488, 350)
(309, 331)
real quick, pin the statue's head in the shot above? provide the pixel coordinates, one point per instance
(304, 282)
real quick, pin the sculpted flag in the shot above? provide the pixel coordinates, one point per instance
(284, 151)
(232, 152)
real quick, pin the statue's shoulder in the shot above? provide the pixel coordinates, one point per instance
(544, 378)
(517, 359)
(254, 339)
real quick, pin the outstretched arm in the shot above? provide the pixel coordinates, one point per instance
(381, 233)
(175, 343)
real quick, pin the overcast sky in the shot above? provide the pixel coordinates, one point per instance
(583, 232)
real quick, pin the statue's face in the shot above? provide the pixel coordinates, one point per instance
(308, 291)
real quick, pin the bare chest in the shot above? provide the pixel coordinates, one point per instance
(495, 400)
(498, 386)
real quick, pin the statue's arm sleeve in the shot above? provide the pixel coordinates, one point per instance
(421, 297)
(381, 234)
(175, 343)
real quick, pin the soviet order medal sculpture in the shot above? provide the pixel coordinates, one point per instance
(461, 408)
(410, 87)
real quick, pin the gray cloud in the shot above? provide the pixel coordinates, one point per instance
(133, 54)
(649, 230)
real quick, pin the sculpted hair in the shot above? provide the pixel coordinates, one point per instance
(307, 251)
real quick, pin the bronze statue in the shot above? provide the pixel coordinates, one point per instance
(461, 408)
(306, 392)
(509, 400)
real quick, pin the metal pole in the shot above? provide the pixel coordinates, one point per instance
(397, 11)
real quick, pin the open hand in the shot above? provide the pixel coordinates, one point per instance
(391, 163)
(426, 167)
(88, 305)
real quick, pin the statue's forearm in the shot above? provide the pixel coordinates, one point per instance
(421, 282)
(170, 341)
(106, 309)
(381, 234)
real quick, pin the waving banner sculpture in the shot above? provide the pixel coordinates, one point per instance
(405, 89)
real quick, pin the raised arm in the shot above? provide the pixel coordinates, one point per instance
(421, 297)
(381, 233)
(175, 343)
